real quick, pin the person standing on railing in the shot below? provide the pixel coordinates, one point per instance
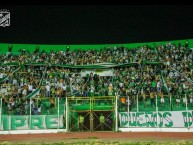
(162, 100)
(47, 90)
(110, 89)
(159, 86)
(92, 90)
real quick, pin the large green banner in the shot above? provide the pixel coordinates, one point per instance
(25, 122)
(162, 119)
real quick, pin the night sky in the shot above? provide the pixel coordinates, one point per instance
(97, 24)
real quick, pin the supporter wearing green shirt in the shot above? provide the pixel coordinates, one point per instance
(102, 121)
(92, 82)
(153, 86)
(81, 122)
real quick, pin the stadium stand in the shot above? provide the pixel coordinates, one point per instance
(143, 78)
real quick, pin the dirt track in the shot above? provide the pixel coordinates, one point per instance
(109, 136)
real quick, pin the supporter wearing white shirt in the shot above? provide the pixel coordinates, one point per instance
(30, 88)
(1, 75)
(171, 74)
(39, 109)
(64, 87)
(121, 85)
(24, 92)
(158, 86)
(61, 85)
(14, 81)
(48, 90)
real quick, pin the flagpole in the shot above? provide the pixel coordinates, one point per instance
(58, 113)
(128, 111)
(187, 118)
(116, 115)
(156, 110)
(171, 102)
(30, 113)
(66, 114)
(137, 102)
(1, 111)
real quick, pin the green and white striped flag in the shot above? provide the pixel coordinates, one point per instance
(4, 78)
(33, 94)
(41, 81)
(36, 91)
(164, 82)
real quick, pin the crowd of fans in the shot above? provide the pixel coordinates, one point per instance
(117, 55)
(170, 76)
(177, 71)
